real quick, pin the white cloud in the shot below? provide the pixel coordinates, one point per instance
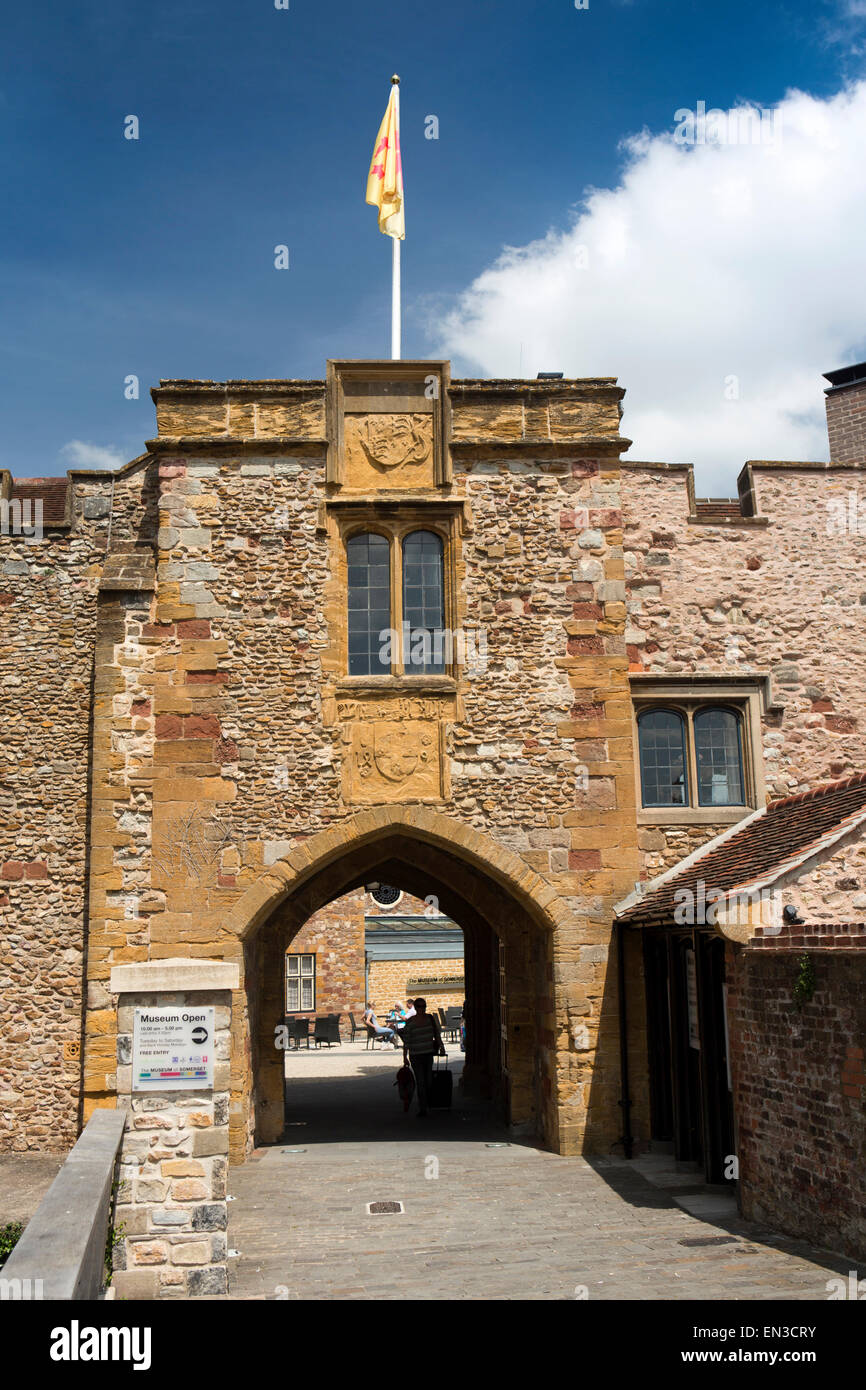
(80, 454)
(707, 262)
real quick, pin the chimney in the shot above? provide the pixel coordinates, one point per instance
(846, 413)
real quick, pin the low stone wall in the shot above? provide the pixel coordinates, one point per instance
(800, 1093)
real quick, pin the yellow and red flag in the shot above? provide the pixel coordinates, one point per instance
(385, 179)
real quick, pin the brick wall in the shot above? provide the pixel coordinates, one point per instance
(800, 1094)
(846, 422)
(335, 934)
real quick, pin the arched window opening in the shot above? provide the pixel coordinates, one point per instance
(423, 604)
(662, 744)
(719, 754)
(369, 589)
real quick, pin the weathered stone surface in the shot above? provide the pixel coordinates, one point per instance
(241, 780)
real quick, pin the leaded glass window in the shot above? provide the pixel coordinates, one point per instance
(719, 753)
(662, 743)
(369, 585)
(423, 604)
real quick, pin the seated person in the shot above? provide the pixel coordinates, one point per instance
(372, 1021)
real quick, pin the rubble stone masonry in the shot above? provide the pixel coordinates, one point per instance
(335, 935)
(187, 766)
(774, 594)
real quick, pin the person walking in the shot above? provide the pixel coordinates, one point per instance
(422, 1041)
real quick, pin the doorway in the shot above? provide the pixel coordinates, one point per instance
(690, 1085)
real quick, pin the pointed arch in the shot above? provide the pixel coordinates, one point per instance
(310, 857)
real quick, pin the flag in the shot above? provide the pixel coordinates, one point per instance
(385, 179)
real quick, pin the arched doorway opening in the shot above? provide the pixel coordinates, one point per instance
(507, 914)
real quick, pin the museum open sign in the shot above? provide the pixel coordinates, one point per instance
(173, 1049)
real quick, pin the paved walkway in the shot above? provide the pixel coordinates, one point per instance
(484, 1217)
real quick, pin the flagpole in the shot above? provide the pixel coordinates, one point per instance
(395, 299)
(395, 257)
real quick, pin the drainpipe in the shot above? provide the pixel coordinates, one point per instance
(625, 1099)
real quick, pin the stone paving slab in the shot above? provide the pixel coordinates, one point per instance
(493, 1223)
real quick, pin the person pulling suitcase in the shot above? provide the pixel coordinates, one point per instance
(422, 1041)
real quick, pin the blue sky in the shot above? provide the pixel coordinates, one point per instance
(155, 257)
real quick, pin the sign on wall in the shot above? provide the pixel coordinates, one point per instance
(173, 1049)
(437, 982)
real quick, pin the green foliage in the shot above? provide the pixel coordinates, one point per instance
(804, 985)
(10, 1234)
(113, 1236)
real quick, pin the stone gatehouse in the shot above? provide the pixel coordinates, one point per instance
(587, 673)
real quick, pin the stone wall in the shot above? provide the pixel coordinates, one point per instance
(48, 615)
(389, 983)
(243, 753)
(171, 1208)
(835, 889)
(407, 905)
(799, 1094)
(773, 594)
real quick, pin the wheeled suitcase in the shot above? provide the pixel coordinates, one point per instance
(440, 1085)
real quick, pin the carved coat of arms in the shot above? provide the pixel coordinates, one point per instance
(394, 750)
(389, 441)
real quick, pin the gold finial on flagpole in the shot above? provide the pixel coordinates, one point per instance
(395, 81)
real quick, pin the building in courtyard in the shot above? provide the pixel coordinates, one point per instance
(390, 628)
(380, 945)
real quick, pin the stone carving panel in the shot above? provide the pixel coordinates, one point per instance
(391, 451)
(387, 760)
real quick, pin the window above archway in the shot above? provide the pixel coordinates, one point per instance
(400, 567)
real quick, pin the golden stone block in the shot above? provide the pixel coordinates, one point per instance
(388, 451)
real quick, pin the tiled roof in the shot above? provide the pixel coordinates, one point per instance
(50, 491)
(760, 846)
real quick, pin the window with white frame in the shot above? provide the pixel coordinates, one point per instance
(300, 983)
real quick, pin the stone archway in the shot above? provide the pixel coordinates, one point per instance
(509, 917)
